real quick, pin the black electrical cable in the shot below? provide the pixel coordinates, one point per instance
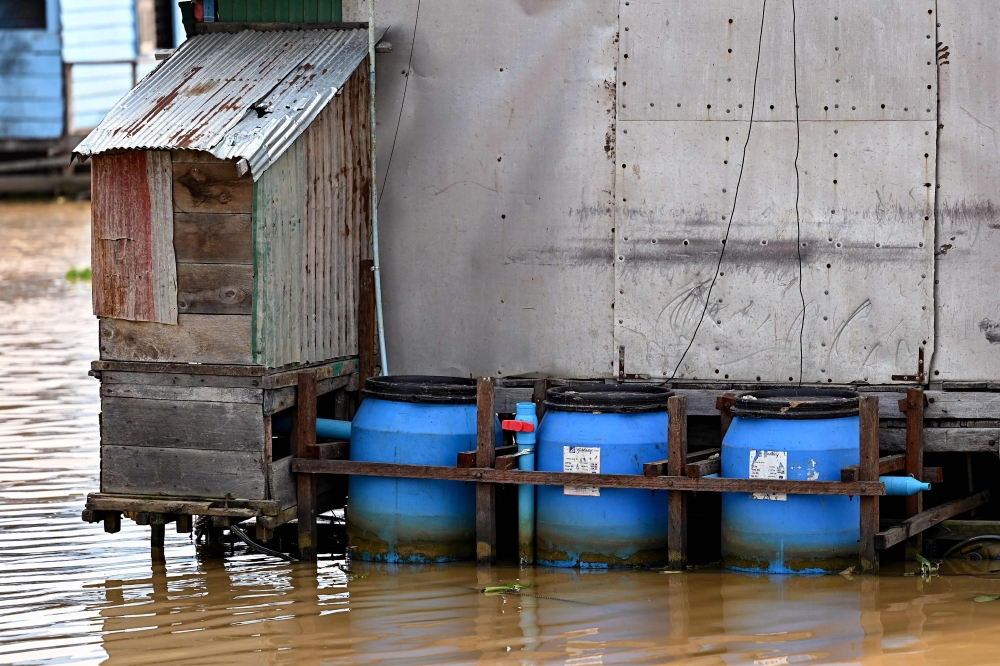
(402, 102)
(729, 226)
(798, 220)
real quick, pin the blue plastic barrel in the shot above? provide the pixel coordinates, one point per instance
(610, 429)
(416, 420)
(800, 435)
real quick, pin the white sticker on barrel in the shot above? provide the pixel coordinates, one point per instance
(582, 460)
(769, 465)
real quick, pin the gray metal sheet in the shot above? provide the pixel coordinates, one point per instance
(696, 61)
(237, 95)
(496, 214)
(968, 245)
(866, 267)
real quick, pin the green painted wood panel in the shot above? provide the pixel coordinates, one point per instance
(283, 11)
(267, 11)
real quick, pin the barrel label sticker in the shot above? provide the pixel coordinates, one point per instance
(769, 465)
(582, 460)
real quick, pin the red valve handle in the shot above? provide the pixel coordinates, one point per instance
(518, 426)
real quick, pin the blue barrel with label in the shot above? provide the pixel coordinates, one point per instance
(606, 429)
(801, 434)
(422, 421)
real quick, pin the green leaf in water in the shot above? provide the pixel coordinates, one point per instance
(75, 274)
(510, 587)
(987, 597)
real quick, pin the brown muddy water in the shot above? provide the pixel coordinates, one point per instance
(71, 593)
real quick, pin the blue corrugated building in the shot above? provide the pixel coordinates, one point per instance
(64, 63)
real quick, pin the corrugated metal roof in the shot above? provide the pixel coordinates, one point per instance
(236, 95)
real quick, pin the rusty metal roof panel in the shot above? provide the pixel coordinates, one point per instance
(237, 95)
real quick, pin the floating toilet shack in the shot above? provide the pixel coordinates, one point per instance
(601, 429)
(798, 435)
(231, 226)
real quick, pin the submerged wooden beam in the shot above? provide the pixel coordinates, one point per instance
(927, 519)
(489, 476)
(960, 530)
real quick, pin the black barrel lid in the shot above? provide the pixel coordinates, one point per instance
(608, 398)
(417, 388)
(796, 403)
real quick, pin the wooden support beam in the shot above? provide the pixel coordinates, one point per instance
(659, 467)
(304, 445)
(515, 476)
(927, 519)
(960, 530)
(894, 463)
(913, 407)
(332, 451)
(486, 527)
(677, 442)
(112, 522)
(156, 532)
(539, 390)
(467, 459)
(724, 403)
(868, 471)
(703, 468)
(183, 524)
(366, 322)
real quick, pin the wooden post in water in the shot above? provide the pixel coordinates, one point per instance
(156, 533)
(486, 528)
(304, 446)
(677, 442)
(913, 407)
(868, 471)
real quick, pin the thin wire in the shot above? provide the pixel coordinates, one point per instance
(743, 161)
(402, 102)
(798, 220)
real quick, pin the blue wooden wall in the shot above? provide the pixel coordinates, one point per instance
(31, 81)
(98, 30)
(78, 31)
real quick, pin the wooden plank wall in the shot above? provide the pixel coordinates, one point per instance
(132, 249)
(211, 247)
(311, 220)
(162, 439)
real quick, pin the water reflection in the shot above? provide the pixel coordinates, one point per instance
(71, 593)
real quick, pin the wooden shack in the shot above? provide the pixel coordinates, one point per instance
(231, 215)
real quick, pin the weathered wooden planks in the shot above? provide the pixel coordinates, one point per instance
(311, 211)
(211, 188)
(195, 339)
(214, 288)
(926, 519)
(182, 424)
(183, 393)
(182, 472)
(132, 249)
(210, 238)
